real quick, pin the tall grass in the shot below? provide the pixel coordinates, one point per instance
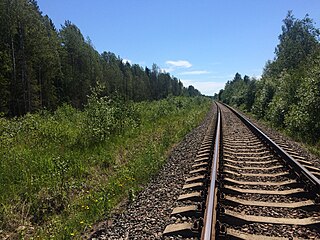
(62, 172)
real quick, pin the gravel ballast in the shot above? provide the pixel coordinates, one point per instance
(281, 139)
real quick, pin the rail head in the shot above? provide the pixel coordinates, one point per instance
(208, 231)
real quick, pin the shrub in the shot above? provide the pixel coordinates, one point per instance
(303, 120)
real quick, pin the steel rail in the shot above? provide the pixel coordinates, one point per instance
(208, 231)
(315, 182)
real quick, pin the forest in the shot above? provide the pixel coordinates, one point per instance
(42, 67)
(287, 95)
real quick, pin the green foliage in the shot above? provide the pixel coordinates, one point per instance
(303, 120)
(277, 110)
(288, 93)
(298, 39)
(283, 97)
(29, 58)
(105, 117)
(99, 119)
(42, 68)
(239, 92)
(59, 175)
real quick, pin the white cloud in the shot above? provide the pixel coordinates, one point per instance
(126, 61)
(179, 63)
(195, 72)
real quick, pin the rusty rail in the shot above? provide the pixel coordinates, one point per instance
(208, 231)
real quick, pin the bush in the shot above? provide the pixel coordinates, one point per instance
(276, 112)
(303, 120)
(105, 117)
(99, 120)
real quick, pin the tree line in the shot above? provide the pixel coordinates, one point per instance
(288, 93)
(42, 67)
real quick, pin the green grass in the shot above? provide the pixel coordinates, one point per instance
(62, 172)
(314, 149)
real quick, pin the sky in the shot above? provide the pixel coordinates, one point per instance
(203, 43)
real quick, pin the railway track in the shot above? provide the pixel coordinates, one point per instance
(311, 164)
(245, 186)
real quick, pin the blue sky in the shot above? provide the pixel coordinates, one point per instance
(202, 42)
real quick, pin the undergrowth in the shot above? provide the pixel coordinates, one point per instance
(62, 172)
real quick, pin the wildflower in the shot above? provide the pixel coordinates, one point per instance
(81, 222)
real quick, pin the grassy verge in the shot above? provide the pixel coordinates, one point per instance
(60, 173)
